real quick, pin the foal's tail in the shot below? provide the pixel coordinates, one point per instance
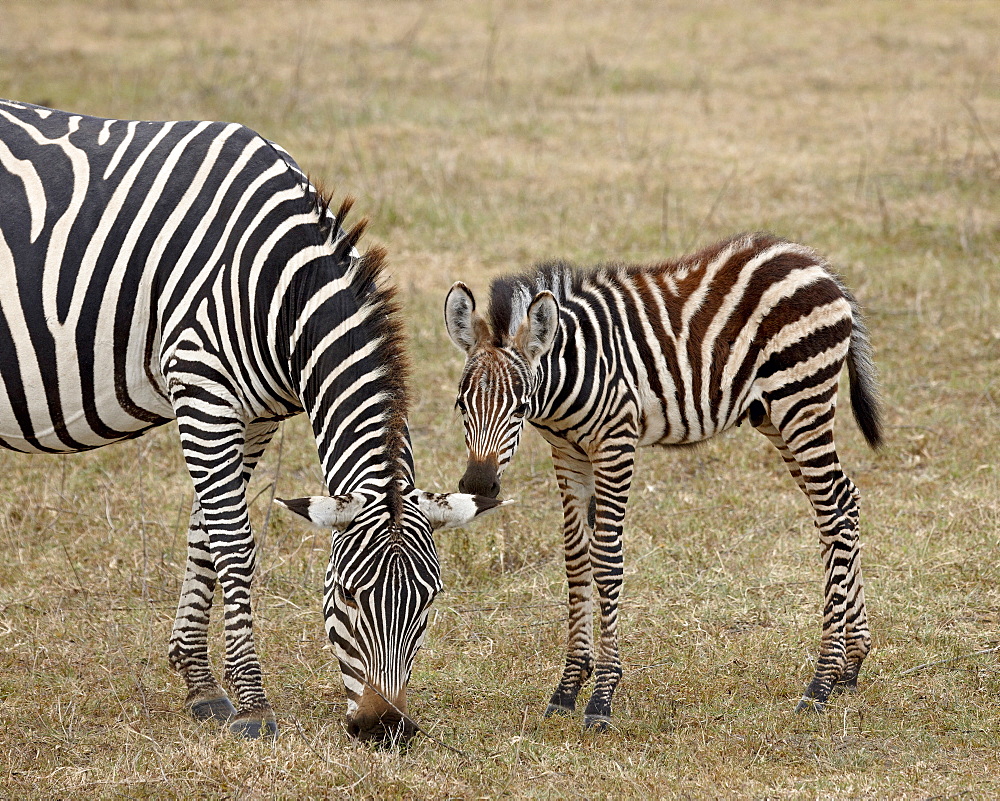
(865, 400)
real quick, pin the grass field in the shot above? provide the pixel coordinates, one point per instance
(480, 137)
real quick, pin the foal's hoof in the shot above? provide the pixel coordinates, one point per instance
(254, 727)
(812, 705)
(556, 709)
(596, 723)
(220, 709)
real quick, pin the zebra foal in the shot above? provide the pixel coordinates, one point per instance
(152, 271)
(604, 361)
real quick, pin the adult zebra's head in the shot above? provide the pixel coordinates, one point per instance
(497, 390)
(382, 576)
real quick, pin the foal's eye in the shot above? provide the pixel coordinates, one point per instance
(521, 410)
(460, 405)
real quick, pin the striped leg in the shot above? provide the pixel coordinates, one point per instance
(768, 430)
(575, 477)
(807, 436)
(214, 439)
(188, 651)
(613, 469)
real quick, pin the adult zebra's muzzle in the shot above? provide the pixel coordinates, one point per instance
(381, 720)
(482, 477)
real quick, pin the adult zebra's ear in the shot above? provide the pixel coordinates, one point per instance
(466, 327)
(536, 333)
(326, 511)
(455, 509)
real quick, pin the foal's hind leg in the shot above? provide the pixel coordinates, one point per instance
(805, 442)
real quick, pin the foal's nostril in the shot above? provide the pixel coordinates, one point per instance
(481, 478)
(478, 485)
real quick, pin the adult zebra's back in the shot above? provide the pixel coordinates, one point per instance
(607, 360)
(160, 270)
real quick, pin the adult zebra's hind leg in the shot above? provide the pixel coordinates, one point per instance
(805, 440)
(188, 652)
(575, 477)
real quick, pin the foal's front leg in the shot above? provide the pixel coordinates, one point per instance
(575, 477)
(613, 469)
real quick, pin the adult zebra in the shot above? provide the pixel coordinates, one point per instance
(605, 361)
(159, 270)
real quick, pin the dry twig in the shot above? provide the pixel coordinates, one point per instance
(992, 650)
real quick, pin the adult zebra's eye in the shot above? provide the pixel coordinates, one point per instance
(521, 410)
(460, 405)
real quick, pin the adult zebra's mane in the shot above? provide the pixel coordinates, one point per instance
(367, 274)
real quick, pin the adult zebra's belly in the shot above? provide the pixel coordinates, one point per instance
(73, 399)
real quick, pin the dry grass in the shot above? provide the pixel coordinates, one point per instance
(480, 137)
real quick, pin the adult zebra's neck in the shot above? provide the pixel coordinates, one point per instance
(348, 366)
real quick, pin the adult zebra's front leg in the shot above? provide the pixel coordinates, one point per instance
(575, 477)
(613, 467)
(215, 439)
(188, 651)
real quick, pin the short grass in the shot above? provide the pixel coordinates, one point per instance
(479, 138)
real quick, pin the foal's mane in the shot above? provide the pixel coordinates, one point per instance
(510, 294)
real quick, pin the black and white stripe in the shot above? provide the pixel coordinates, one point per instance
(607, 360)
(152, 271)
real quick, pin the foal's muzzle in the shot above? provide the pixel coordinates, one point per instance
(481, 478)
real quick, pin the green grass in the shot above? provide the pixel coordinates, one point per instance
(480, 138)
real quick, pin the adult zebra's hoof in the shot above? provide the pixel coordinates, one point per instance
(811, 705)
(556, 709)
(596, 723)
(254, 726)
(218, 709)
(210, 703)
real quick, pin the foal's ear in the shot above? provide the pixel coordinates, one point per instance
(535, 334)
(466, 327)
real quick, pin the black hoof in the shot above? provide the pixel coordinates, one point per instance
(555, 709)
(596, 723)
(220, 709)
(811, 705)
(850, 686)
(253, 728)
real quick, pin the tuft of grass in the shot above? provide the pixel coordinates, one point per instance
(480, 139)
